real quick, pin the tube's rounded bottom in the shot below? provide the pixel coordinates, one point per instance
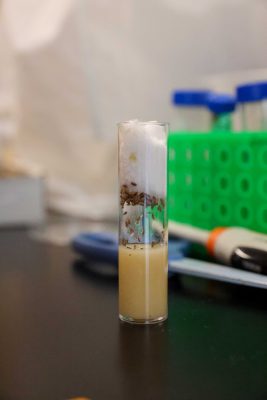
(142, 321)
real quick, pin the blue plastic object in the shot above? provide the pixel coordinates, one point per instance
(103, 247)
(191, 98)
(250, 92)
(97, 246)
(221, 103)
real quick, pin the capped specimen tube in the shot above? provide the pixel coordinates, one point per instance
(252, 99)
(191, 113)
(143, 234)
(222, 106)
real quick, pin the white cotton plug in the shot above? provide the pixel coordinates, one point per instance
(143, 157)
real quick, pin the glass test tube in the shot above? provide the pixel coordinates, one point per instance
(221, 106)
(252, 110)
(190, 112)
(143, 234)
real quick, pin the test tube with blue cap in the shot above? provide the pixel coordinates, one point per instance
(252, 106)
(190, 110)
(221, 106)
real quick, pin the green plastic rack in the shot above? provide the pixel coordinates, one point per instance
(218, 179)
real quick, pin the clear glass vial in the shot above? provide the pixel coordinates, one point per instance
(190, 111)
(252, 106)
(143, 235)
(221, 106)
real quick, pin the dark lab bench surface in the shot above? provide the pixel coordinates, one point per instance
(60, 336)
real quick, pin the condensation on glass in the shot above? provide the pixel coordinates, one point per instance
(143, 234)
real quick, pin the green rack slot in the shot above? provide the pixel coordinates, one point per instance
(218, 179)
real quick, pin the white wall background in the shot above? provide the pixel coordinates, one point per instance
(84, 65)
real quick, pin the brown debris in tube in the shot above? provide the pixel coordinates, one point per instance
(139, 198)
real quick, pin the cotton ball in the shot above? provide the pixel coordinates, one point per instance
(143, 157)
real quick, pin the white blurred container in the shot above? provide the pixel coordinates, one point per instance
(21, 201)
(222, 107)
(252, 106)
(192, 114)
